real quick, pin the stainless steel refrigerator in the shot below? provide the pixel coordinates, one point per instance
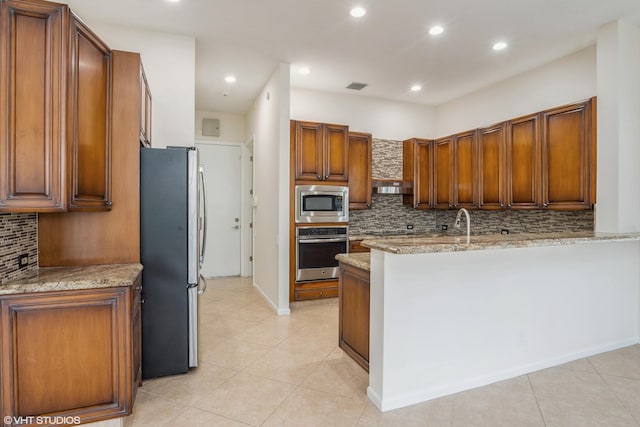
(172, 245)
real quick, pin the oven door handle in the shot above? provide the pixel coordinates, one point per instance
(337, 239)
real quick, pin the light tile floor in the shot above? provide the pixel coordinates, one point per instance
(257, 369)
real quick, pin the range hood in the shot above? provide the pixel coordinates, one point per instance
(391, 186)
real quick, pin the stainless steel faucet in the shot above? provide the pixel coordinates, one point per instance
(457, 224)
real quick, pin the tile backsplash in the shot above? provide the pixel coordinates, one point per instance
(18, 235)
(388, 215)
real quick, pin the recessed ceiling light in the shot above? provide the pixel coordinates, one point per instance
(500, 46)
(230, 79)
(437, 30)
(358, 12)
(173, 1)
(416, 88)
(304, 70)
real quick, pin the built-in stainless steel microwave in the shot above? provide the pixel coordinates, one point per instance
(322, 203)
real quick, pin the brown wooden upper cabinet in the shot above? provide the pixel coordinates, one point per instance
(55, 111)
(567, 150)
(464, 184)
(33, 71)
(359, 170)
(89, 121)
(417, 167)
(523, 162)
(321, 152)
(443, 172)
(145, 110)
(491, 167)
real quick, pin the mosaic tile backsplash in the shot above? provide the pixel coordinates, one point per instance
(18, 235)
(388, 215)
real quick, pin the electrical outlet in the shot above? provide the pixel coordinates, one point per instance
(444, 227)
(23, 260)
(504, 231)
(409, 226)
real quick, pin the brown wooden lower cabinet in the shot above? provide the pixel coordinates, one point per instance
(70, 353)
(353, 313)
(356, 246)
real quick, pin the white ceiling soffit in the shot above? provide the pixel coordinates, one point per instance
(389, 48)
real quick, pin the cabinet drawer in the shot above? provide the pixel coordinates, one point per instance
(305, 294)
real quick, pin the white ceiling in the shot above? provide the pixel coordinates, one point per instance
(389, 48)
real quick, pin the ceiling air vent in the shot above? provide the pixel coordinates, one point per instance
(357, 86)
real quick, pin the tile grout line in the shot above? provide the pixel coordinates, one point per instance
(535, 395)
(613, 391)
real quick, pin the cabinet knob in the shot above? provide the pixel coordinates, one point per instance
(326, 177)
(509, 205)
(320, 177)
(502, 205)
(108, 203)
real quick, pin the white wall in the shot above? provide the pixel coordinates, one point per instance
(169, 63)
(382, 118)
(268, 124)
(564, 81)
(232, 126)
(618, 207)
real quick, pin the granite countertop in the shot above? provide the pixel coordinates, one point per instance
(49, 279)
(360, 260)
(421, 244)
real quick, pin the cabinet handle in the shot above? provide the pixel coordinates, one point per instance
(320, 177)
(545, 204)
(509, 205)
(326, 177)
(108, 203)
(321, 293)
(138, 287)
(502, 205)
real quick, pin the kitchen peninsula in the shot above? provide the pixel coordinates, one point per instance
(447, 314)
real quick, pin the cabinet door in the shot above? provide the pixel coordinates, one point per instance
(523, 163)
(443, 175)
(309, 151)
(33, 41)
(359, 170)
(65, 353)
(89, 121)
(417, 167)
(336, 153)
(491, 167)
(353, 314)
(464, 170)
(566, 157)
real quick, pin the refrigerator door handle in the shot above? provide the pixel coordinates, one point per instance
(204, 288)
(204, 214)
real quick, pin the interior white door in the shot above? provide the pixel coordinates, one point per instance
(222, 168)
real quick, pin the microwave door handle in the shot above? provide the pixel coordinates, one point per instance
(337, 239)
(204, 214)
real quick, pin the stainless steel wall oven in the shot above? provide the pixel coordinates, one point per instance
(316, 250)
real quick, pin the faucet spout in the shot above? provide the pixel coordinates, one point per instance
(457, 224)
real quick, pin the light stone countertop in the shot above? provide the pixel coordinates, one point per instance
(360, 260)
(50, 279)
(422, 245)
